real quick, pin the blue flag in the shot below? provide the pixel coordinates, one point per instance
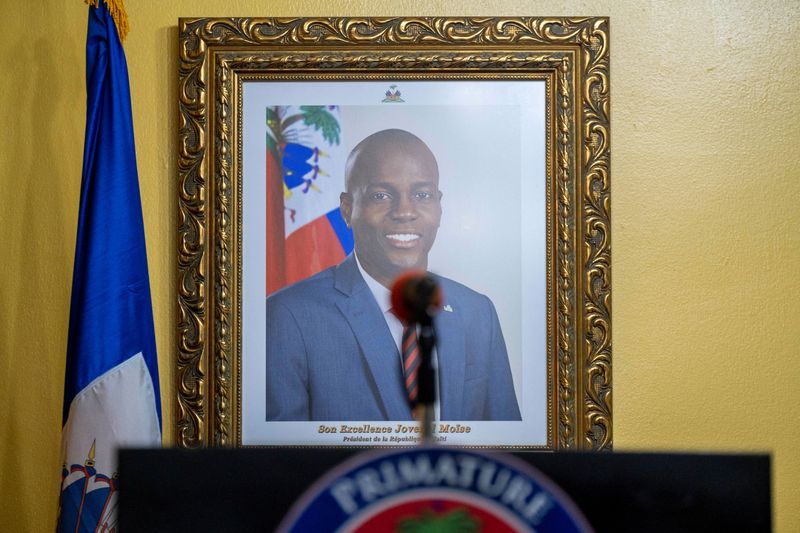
(111, 391)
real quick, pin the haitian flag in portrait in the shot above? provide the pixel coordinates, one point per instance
(305, 176)
(111, 391)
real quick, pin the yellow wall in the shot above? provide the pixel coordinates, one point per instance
(706, 226)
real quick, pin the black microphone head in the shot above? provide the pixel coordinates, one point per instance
(415, 296)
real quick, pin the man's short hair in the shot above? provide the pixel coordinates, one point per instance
(370, 149)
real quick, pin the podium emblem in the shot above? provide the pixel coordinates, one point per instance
(435, 489)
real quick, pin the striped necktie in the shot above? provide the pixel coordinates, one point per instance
(411, 360)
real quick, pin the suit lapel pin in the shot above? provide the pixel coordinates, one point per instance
(447, 308)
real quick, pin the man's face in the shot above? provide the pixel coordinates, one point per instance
(394, 208)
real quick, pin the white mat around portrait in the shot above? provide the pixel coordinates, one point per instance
(489, 140)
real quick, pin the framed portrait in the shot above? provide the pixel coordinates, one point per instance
(320, 158)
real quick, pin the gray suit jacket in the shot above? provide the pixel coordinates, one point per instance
(330, 355)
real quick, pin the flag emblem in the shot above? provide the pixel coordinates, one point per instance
(392, 95)
(88, 497)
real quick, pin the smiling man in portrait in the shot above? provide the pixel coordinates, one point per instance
(334, 348)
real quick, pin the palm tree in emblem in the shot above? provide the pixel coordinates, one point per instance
(298, 159)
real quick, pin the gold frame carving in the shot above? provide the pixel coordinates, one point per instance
(216, 55)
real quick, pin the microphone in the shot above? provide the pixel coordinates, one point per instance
(416, 297)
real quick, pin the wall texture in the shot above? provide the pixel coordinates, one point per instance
(705, 182)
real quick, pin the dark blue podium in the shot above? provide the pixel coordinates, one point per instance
(251, 489)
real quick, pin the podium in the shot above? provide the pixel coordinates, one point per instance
(252, 489)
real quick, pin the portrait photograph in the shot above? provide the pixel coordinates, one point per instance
(345, 185)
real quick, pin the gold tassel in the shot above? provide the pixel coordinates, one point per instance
(117, 10)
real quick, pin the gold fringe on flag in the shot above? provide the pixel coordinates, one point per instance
(117, 10)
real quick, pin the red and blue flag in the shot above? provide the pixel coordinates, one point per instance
(305, 176)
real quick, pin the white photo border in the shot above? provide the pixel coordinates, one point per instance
(489, 138)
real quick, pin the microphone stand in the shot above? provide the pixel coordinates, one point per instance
(426, 379)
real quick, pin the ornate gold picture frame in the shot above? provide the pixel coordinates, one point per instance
(568, 59)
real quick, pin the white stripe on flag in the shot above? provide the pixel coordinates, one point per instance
(116, 410)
